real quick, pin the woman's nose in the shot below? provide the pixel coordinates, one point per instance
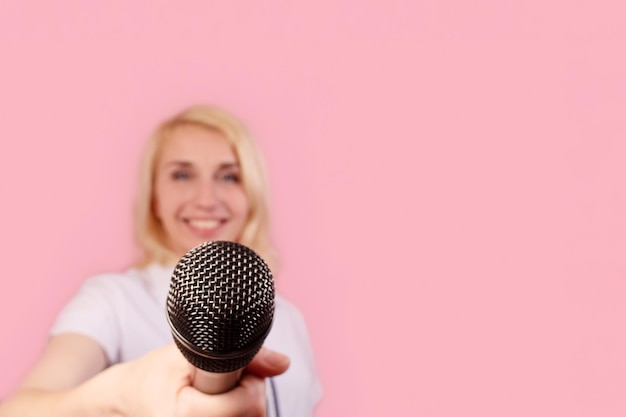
(206, 194)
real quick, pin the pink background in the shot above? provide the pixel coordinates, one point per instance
(447, 176)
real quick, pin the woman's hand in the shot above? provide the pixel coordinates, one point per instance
(159, 385)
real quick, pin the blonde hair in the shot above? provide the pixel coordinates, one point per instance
(149, 232)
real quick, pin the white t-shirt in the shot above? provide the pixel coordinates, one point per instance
(125, 314)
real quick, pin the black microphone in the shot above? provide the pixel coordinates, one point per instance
(220, 308)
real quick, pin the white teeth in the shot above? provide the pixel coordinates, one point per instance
(204, 224)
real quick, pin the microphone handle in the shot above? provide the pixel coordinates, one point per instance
(214, 383)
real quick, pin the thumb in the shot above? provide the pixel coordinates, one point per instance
(268, 363)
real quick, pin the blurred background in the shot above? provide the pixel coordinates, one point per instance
(447, 182)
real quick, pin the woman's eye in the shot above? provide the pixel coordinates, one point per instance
(180, 175)
(231, 177)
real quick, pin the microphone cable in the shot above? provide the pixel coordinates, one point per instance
(274, 397)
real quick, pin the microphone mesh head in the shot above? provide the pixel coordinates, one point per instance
(220, 305)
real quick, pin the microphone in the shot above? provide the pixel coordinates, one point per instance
(220, 308)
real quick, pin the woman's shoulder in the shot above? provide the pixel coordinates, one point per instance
(288, 316)
(127, 279)
(286, 307)
(113, 278)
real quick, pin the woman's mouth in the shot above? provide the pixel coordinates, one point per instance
(204, 225)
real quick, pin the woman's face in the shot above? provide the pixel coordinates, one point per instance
(198, 195)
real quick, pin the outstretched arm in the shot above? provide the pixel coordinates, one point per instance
(71, 380)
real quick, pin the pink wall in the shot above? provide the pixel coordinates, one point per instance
(448, 182)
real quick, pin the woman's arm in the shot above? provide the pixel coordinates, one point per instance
(51, 387)
(69, 381)
(68, 360)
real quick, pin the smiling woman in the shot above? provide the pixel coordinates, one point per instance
(201, 179)
(198, 195)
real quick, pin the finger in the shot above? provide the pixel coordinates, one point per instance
(247, 399)
(268, 363)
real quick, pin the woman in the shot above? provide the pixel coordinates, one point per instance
(111, 351)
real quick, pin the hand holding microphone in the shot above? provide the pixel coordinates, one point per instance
(220, 308)
(158, 384)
